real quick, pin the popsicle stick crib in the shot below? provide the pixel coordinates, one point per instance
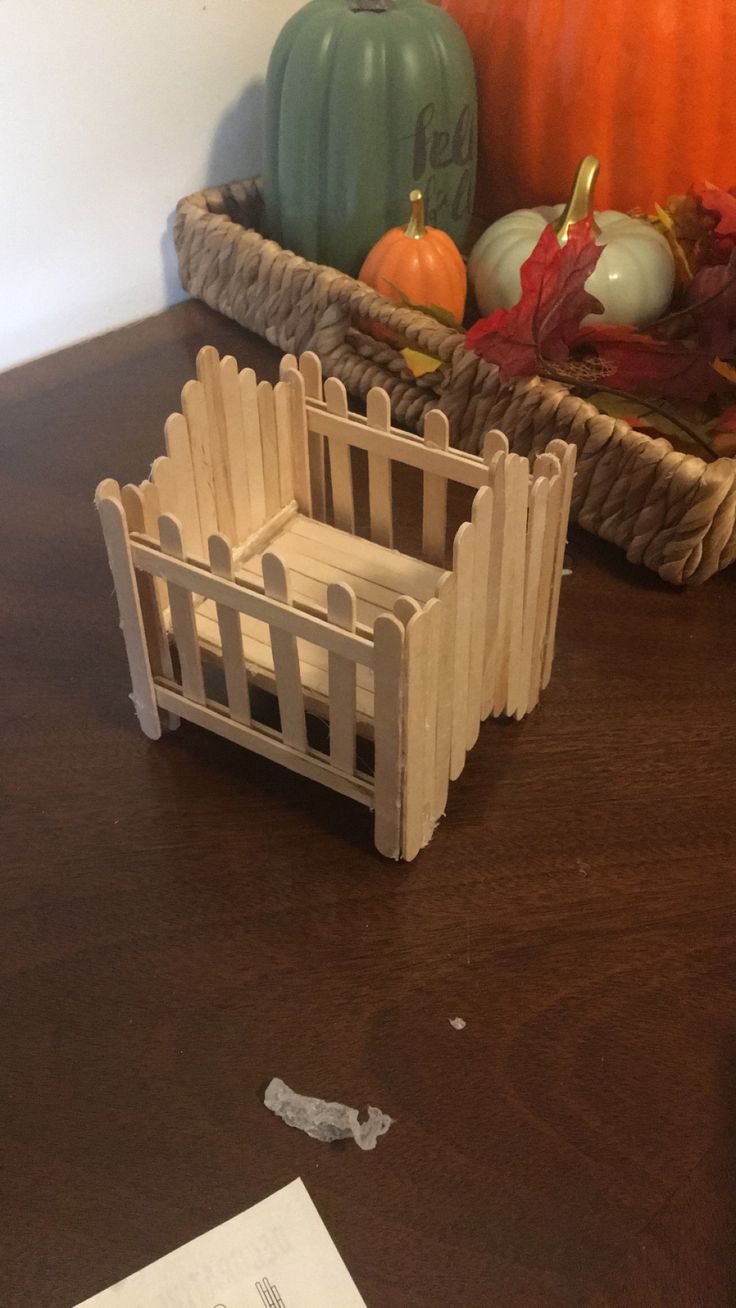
(241, 548)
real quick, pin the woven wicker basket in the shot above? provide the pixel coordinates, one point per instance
(669, 511)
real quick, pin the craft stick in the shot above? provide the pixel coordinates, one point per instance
(269, 447)
(178, 449)
(287, 364)
(546, 578)
(152, 593)
(284, 441)
(151, 512)
(388, 642)
(115, 531)
(183, 621)
(405, 607)
(341, 475)
(462, 566)
(431, 814)
(415, 735)
(434, 500)
(497, 574)
(208, 372)
(236, 448)
(341, 681)
(311, 370)
(253, 450)
(231, 638)
(482, 519)
(467, 469)
(446, 592)
(163, 477)
(378, 415)
(512, 593)
(538, 501)
(285, 658)
(567, 455)
(299, 441)
(195, 412)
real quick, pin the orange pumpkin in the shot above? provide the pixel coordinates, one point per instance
(644, 86)
(422, 262)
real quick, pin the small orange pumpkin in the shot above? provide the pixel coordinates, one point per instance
(421, 262)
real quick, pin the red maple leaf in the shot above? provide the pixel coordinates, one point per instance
(722, 203)
(546, 320)
(629, 360)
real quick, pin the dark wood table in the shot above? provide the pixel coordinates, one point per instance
(180, 921)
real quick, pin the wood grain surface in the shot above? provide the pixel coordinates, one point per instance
(181, 921)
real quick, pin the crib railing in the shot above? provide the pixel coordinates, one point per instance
(141, 563)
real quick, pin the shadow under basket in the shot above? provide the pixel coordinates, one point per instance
(669, 511)
(244, 547)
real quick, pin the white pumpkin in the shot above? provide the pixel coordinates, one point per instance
(634, 277)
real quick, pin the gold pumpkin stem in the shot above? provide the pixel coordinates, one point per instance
(580, 203)
(416, 227)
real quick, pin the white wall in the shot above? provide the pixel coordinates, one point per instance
(110, 111)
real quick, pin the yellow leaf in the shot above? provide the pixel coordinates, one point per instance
(725, 369)
(666, 220)
(420, 364)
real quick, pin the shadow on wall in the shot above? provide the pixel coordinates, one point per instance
(236, 152)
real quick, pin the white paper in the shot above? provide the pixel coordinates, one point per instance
(278, 1254)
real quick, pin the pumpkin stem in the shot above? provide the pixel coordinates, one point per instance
(370, 6)
(580, 203)
(416, 227)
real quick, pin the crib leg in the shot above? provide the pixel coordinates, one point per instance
(114, 526)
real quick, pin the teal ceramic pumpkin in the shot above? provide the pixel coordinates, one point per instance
(367, 100)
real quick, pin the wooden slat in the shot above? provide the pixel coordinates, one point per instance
(231, 639)
(287, 363)
(354, 554)
(538, 500)
(388, 638)
(549, 550)
(380, 495)
(195, 411)
(415, 735)
(462, 566)
(434, 499)
(248, 388)
(282, 413)
(177, 445)
(151, 513)
(182, 615)
(269, 447)
(496, 607)
(467, 469)
(236, 448)
(512, 595)
(153, 595)
(266, 743)
(341, 474)
(446, 593)
(310, 368)
(299, 441)
(163, 477)
(482, 519)
(567, 455)
(115, 531)
(431, 814)
(341, 674)
(285, 658)
(208, 373)
(256, 543)
(249, 601)
(405, 607)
